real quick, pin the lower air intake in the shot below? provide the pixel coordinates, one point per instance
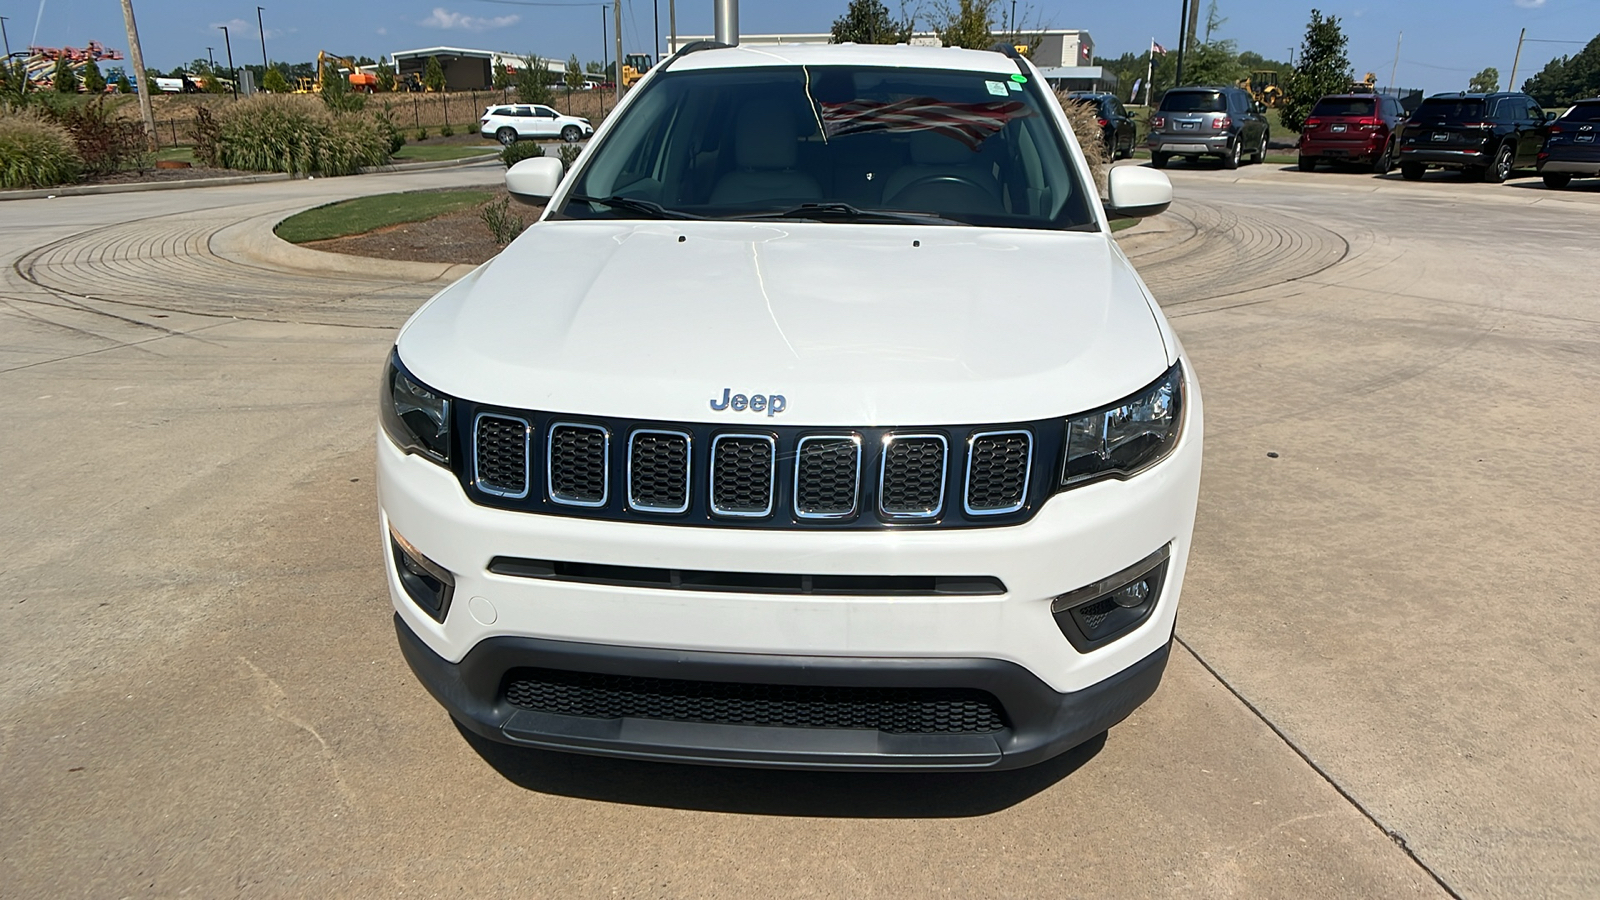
(892, 710)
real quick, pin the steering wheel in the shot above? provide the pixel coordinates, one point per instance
(941, 179)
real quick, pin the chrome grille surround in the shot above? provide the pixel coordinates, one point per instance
(553, 485)
(896, 509)
(487, 481)
(974, 443)
(633, 464)
(716, 478)
(800, 510)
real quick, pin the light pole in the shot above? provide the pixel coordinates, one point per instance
(1183, 41)
(657, 5)
(263, 32)
(232, 72)
(616, 27)
(605, 54)
(6, 36)
(212, 59)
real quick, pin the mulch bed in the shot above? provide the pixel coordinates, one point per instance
(456, 238)
(152, 174)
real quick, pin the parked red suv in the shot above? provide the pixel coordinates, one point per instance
(1358, 128)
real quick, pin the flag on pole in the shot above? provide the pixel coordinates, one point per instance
(1157, 48)
(1134, 94)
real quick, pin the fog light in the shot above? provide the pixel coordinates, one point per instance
(427, 583)
(1098, 614)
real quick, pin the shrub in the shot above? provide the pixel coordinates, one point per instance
(390, 130)
(274, 82)
(569, 154)
(422, 134)
(520, 151)
(105, 142)
(446, 130)
(1085, 121)
(502, 224)
(298, 135)
(35, 152)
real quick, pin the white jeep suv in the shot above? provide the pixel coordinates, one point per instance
(839, 433)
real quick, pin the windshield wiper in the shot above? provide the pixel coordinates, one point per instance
(831, 211)
(645, 208)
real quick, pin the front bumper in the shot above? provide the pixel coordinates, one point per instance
(1041, 723)
(1191, 144)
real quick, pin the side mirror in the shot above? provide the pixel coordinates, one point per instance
(534, 181)
(1550, 117)
(1134, 192)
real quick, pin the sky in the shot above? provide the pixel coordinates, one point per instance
(1445, 41)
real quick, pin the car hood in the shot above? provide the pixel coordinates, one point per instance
(850, 324)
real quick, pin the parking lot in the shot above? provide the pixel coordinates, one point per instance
(1386, 682)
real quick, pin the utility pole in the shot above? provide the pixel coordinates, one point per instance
(232, 72)
(727, 22)
(136, 56)
(616, 22)
(1194, 21)
(672, 24)
(1396, 67)
(1511, 85)
(263, 32)
(1183, 41)
(657, 5)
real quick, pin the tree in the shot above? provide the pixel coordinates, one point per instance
(124, 85)
(868, 22)
(502, 75)
(433, 75)
(968, 24)
(93, 81)
(533, 80)
(385, 76)
(593, 68)
(274, 82)
(1324, 69)
(1567, 78)
(64, 78)
(573, 76)
(1485, 82)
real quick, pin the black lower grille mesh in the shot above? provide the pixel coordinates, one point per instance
(826, 479)
(997, 477)
(577, 464)
(741, 475)
(501, 445)
(913, 476)
(893, 710)
(659, 471)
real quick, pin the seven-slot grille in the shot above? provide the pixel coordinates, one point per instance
(998, 463)
(501, 461)
(911, 482)
(658, 471)
(577, 464)
(742, 474)
(827, 476)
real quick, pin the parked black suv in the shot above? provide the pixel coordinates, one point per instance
(1208, 121)
(1573, 147)
(1121, 132)
(1485, 136)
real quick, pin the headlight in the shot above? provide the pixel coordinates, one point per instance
(414, 416)
(1127, 437)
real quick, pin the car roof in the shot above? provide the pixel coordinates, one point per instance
(1351, 96)
(885, 55)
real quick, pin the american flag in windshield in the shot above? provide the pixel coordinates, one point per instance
(969, 123)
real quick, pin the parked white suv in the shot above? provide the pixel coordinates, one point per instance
(839, 433)
(511, 123)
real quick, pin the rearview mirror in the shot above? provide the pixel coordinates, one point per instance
(534, 181)
(1134, 192)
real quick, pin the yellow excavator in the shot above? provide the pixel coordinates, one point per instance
(634, 65)
(1263, 86)
(360, 82)
(1366, 86)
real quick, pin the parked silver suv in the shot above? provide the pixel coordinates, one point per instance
(1208, 121)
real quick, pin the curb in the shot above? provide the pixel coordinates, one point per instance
(254, 241)
(79, 190)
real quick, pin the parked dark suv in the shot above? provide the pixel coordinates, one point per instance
(1573, 147)
(1208, 121)
(1485, 136)
(1356, 128)
(1121, 132)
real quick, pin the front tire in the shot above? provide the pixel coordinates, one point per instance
(506, 136)
(1504, 160)
(1231, 160)
(1412, 171)
(1557, 180)
(571, 133)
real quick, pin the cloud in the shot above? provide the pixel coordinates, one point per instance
(1530, 4)
(246, 26)
(443, 18)
(383, 31)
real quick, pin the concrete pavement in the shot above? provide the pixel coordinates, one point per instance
(199, 689)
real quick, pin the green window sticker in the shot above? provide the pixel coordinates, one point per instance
(1020, 78)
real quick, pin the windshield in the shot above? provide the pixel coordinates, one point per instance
(1343, 107)
(865, 144)
(1436, 110)
(1193, 101)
